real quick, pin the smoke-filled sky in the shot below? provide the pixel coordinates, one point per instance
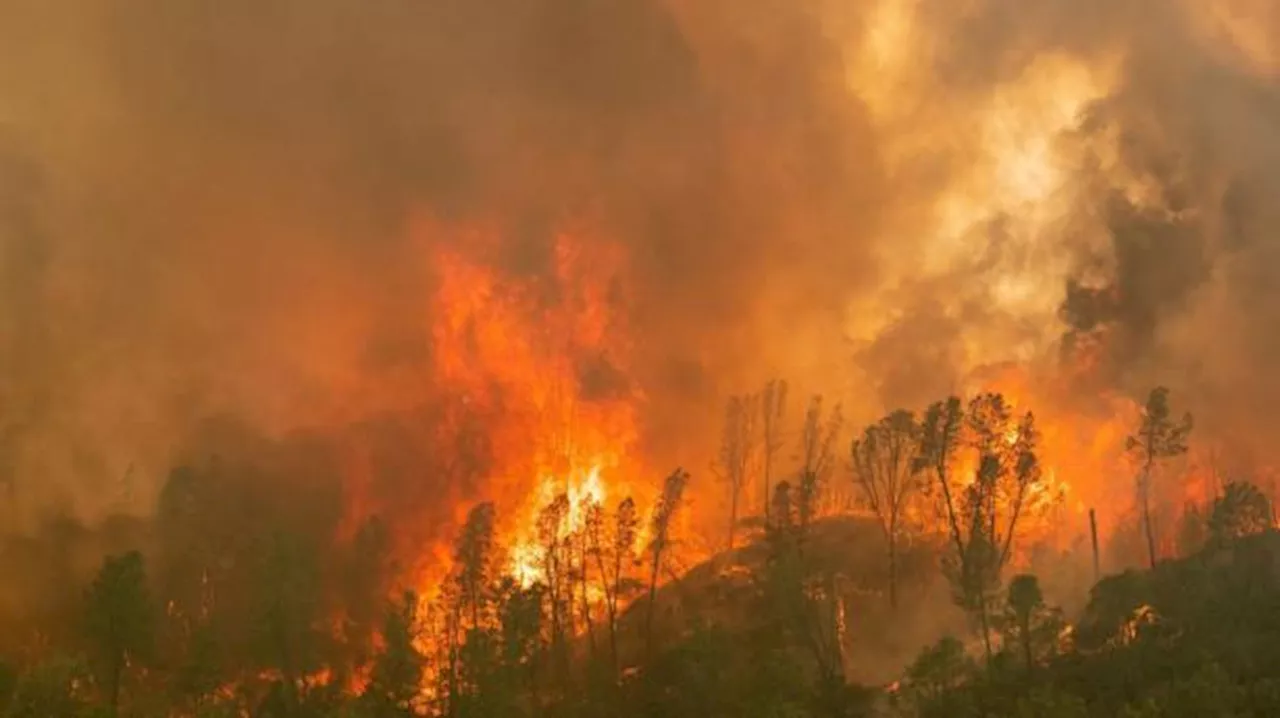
(234, 208)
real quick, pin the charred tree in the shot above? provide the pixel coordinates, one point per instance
(817, 439)
(737, 452)
(1158, 437)
(773, 402)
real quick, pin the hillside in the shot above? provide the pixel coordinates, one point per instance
(1198, 636)
(876, 642)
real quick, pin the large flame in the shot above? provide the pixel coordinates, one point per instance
(537, 361)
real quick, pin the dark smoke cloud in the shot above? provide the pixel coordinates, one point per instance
(207, 210)
(210, 209)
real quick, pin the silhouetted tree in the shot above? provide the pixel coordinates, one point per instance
(1158, 437)
(773, 404)
(614, 553)
(817, 439)
(473, 558)
(886, 468)
(660, 541)
(556, 577)
(396, 677)
(737, 452)
(470, 596)
(983, 516)
(119, 620)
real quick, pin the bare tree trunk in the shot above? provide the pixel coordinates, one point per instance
(986, 624)
(610, 588)
(733, 516)
(768, 465)
(1093, 533)
(653, 594)
(1146, 516)
(893, 569)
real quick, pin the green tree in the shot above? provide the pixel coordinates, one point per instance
(119, 620)
(1242, 510)
(1029, 624)
(885, 467)
(1158, 437)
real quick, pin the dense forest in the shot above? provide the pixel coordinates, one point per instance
(230, 607)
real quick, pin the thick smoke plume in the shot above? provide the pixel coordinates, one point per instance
(239, 210)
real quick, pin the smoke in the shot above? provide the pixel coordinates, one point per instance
(237, 209)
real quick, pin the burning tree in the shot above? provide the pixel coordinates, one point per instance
(982, 515)
(469, 598)
(737, 452)
(1159, 437)
(885, 468)
(613, 553)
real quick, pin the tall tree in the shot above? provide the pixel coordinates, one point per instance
(817, 440)
(773, 404)
(473, 557)
(119, 620)
(737, 452)
(1158, 437)
(939, 443)
(886, 468)
(396, 677)
(660, 541)
(288, 608)
(555, 567)
(470, 596)
(983, 516)
(614, 552)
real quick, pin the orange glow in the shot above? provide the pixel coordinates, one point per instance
(537, 359)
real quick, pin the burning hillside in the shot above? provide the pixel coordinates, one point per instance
(348, 273)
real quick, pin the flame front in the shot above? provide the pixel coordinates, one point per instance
(539, 399)
(583, 489)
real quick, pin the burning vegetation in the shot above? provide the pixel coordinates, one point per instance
(346, 353)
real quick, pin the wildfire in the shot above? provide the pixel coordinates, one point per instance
(539, 399)
(583, 489)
